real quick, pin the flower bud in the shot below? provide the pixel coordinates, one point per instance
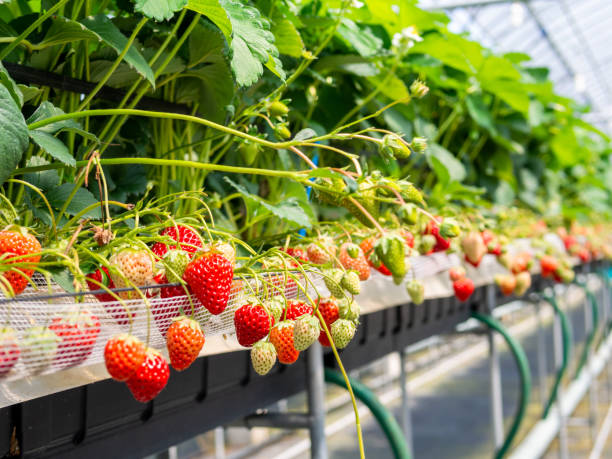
(418, 89)
(418, 144)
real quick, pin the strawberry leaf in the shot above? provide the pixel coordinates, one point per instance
(160, 10)
(13, 132)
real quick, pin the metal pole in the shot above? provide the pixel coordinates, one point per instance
(558, 353)
(316, 402)
(406, 418)
(542, 368)
(497, 416)
(219, 443)
(593, 397)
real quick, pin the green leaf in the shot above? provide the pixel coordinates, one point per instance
(107, 32)
(390, 85)
(211, 84)
(288, 210)
(361, 39)
(350, 63)
(160, 10)
(305, 134)
(64, 31)
(213, 10)
(13, 132)
(252, 43)
(440, 158)
(28, 92)
(58, 196)
(287, 37)
(48, 110)
(12, 87)
(53, 146)
(480, 112)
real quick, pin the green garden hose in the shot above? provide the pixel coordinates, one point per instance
(567, 344)
(523, 367)
(591, 337)
(384, 417)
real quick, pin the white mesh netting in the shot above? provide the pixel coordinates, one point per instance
(48, 354)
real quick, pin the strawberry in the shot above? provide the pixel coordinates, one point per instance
(123, 354)
(357, 263)
(433, 229)
(297, 308)
(184, 341)
(38, 348)
(506, 283)
(350, 282)
(487, 236)
(9, 350)
(391, 251)
(322, 251)
(523, 282)
(349, 309)
(495, 248)
(252, 323)
(456, 273)
(188, 240)
(520, 263)
(18, 246)
(263, 357)
(296, 252)
(366, 197)
(463, 288)
(449, 228)
(583, 254)
(473, 247)
(342, 332)
(175, 262)
(136, 269)
(275, 307)
(330, 312)
(416, 290)
(77, 332)
(548, 265)
(333, 282)
(150, 377)
(367, 245)
(305, 332)
(224, 248)
(281, 336)
(101, 276)
(165, 312)
(427, 244)
(569, 241)
(210, 276)
(408, 237)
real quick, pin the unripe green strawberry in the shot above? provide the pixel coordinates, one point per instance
(449, 228)
(336, 187)
(263, 357)
(38, 348)
(249, 151)
(416, 290)
(365, 196)
(275, 307)
(277, 108)
(391, 251)
(333, 282)
(427, 243)
(349, 309)
(408, 213)
(342, 332)
(282, 131)
(523, 282)
(305, 331)
(176, 261)
(350, 282)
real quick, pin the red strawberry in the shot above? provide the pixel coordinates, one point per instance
(184, 341)
(569, 241)
(456, 273)
(433, 228)
(17, 242)
(116, 310)
(487, 237)
(473, 247)
(463, 288)
(78, 332)
(123, 354)
(252, 323)
(9, 350)
(210, 278)
(281, 336)
(548, 265)
(188, 240)
(296, 252)
(330, 312)
(583, 254)
(520, 263)
(358, 263)
(408, 237)
(367, 245)
(506, 283)
(150, 377)
(297, 308)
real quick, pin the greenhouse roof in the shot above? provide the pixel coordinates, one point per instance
(573, 39)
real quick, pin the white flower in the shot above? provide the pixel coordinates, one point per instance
(357, 4)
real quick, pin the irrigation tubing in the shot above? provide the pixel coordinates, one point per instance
(525, 375)
(591, 337)
(385, 418)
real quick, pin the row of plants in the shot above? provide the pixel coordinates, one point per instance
(314, 138)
